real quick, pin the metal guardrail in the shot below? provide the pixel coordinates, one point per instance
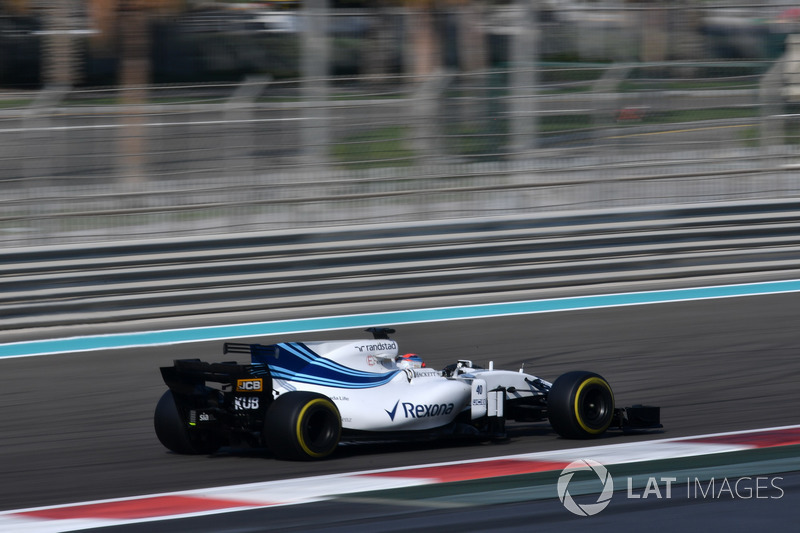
(68, 285)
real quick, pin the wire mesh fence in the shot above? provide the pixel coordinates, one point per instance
(272, 152)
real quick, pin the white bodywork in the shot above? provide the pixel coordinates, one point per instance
(373, 394)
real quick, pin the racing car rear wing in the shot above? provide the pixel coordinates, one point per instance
(186, 374)
(236, 347)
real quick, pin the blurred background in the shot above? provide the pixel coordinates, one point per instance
(129, 119)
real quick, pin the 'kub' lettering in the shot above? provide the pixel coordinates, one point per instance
(247, 402)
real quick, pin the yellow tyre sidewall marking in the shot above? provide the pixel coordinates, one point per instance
(588, 382)
(300, 422)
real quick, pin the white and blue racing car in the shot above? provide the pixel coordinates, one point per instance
(301, 399)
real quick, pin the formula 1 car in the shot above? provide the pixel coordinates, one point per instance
(300, 399)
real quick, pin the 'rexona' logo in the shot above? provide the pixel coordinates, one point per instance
(587, 509)
(411, 410)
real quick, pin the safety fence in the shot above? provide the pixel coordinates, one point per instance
(223, 159)
(582, 147)
(577, 106)
(384, 267)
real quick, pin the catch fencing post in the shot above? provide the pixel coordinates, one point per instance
(523, 108)
(314, 70)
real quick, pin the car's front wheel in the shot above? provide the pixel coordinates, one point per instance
(580, 405)
(302, 425)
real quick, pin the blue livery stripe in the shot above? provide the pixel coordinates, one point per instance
(295, 361)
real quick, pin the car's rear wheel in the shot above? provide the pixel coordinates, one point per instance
(172, 431)
(302, 426)
(580, 405)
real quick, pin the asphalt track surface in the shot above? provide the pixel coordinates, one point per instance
(78, 427)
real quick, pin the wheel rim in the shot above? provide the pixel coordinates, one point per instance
(318, 428)
(593, 406)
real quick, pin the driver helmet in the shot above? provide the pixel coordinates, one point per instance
(409, 360)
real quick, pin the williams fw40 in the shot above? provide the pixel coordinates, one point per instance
(301, 399)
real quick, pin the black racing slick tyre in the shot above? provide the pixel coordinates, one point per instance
(580, 405)
(173, 433)
(302, 426)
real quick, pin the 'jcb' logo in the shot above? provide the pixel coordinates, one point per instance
(249, 385)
